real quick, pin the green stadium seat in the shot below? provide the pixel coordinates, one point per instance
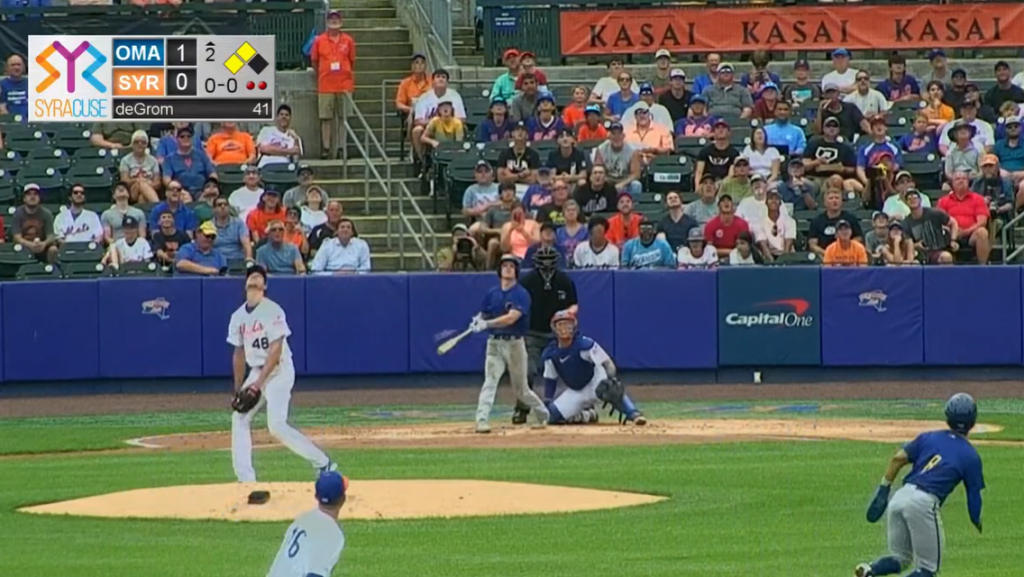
(12, 258)
(38, 271)
(460, 175)
(238, 267)
(231, 176)
(690, 145)
(97, 180)
(919, 157)
(447, 151)
(544, 148)
(140, 269)
(798, 259)
(54, 158)
(77, 252)
(91, 157)
(72, 138)
(6, 186)
(23, 139)
(280, 176)
(50, 181)
(670, 173)
(11, 162)
(927, 174)
(85, 270)
(492, 150)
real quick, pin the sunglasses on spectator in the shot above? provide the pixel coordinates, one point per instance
(221, 203)
(625, 79)
(277, 229)
(77, 191)
(174, 188)
(863, 78)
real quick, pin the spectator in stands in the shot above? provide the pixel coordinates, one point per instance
(246, 197)
(113, 218)
(519, 232)
(674, 228)
(188, 165)
(546, 124)
(647, 137)
(324, 231)
(574, 232)
(278, 256)
(115, 135)
(597, 194)
(877, 238)
(167, 239)
(77, 223)
(538, 193)
(796, 188)
(548, 239)
(524, 105)
(699, 122)
(738, 184)
(333, 56)
(574, 113)
(997, 190)
(624, 224)
(343, 253)
(488, 229)
(497, 126)
(621, 160)
(971, 213)
(1007, 111)
(939, 70)
(802, 89)
(14, 89)
(312, 212)
(130, 247)
(528, 65)
(168, 134)
(140, 170)
(1004, 90)
(229, 145)
(744, 253)
(646, 251)
(982, 135)
(659, 115)
(504, 87)
(618, 102)
(708, 79)
(783, 133)
(597, 252)
(725, 97)
(869, 102)
(962, 155)
(775, 233)
(697, 253)
(897, 250)
(1010, 150)
(32, 226)
(233, 240)
(721, 231)
(851, 119)
(184, 217)
(896, 205)
(279, 143)
(956, 90)
(842, 76)
(413, 86)
(717, 157)
(551, 211)
(925, 229)
(293, 232)
(427, 104)
(268, 209)
(519, 163)
(568, 163)
(295, 195)
(826, 155)
(899, 85)
(203, 206)
(753, 208)
(822, 232)
(764, 107)
(607, 85)
(201, 257)
(593, 125)
(985, 112)
(936, 111)
(764, 159)
(444, 127)
(482, 194)
(759, 76)
(676, 98)
(922, 137)
(464, 254)
(662, 71)
(877, 151)
(705, 207)
(845, 251)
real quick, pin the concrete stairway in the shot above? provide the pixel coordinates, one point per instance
(464, 47)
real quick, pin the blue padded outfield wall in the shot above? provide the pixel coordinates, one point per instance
(384, 324)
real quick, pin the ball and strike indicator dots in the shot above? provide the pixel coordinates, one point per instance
(252, 85)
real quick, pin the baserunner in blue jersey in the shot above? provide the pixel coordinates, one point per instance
(940, 461)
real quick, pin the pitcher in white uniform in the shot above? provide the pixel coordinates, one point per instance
(313, 542)
(259, 332)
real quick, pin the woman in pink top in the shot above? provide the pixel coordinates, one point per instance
(519, 233)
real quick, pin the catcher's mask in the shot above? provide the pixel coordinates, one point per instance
(564, 325)
(545, 259)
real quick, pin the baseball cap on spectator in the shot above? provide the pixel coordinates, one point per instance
(510, 53)
(879, 215)
(831, 120)
(545, 97)
(877, 119)
(959, 72)
(839, 52)
(774, 192)
(903, 174)
(769, 86)
(592, 109)
(30, 187)
(662, 53)
(677, 73)
(796, 162)
(440, 72)
(971, 87)
(756, 176)
(895, 225)
(913, 192)
(615, 127)
(544, 170)
(459, 227)
(830, 87)
(269, 192)
(526, 55)
(646, 88)
(185, 130)
(695, 234)
(334, 14)
(725, 67)
(305, 168)
(129, 222)
(724, 198)
(801, 63)
(936, 53)
(843, 224)
(698, 98)
(519, 125)
(624, 193)
(721, 122)
(498, 100)
(641, 108)
(208, 229)
(706, 177)
(989, 160)
(741, 160)
(482, 165)
(1012, 120)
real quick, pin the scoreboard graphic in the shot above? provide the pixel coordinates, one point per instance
(151, 79)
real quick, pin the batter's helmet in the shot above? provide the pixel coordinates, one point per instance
(961, 413)
(546, 258)
(508, 258)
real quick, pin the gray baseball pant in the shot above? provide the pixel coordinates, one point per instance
(508, 354)
(915, 528)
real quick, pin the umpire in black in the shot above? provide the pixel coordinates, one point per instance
(551, 290)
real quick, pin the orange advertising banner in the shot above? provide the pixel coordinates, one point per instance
(625, 31)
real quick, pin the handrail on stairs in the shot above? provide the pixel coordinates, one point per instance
(386, 182)
(1009, 240)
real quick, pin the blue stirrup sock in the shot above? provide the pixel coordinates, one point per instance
(556, 417)
(628, 406)
(886, 566)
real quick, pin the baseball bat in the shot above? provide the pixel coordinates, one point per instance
(450, 343)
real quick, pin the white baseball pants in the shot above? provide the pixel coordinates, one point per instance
(915, 528)
(507, 354)
(277, 396)
(571, 403)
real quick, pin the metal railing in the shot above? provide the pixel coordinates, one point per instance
(435, 16)
(404, 196)
(1009, 240)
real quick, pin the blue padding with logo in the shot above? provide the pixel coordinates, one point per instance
(441, 306)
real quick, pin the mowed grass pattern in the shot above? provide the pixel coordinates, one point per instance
(781, 509)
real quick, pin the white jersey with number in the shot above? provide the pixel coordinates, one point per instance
(255, 330)
(312, 546)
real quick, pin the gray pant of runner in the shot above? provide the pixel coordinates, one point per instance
(507, 354)
(915, 528)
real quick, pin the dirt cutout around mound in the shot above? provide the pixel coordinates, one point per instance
(366, 500)
(606, 434)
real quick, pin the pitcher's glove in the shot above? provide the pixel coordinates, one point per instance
(246, 399)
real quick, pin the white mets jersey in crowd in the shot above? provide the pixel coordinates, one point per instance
(255, 330)
(311, 547)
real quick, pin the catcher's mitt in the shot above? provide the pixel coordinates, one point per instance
(611, 391)
(246, 399)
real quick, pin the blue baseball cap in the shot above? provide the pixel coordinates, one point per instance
(698, 98)
(545, 97)
(769, 85)
(646, 88)
(499, 100)
(935, 53)
(331, 487)
(840, 52)
(592, 109)
(615, 126)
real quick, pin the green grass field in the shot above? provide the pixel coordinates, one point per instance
(780, 509)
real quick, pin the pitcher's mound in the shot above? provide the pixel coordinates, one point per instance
(366, 500)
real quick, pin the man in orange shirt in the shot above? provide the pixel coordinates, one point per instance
(625, 224)
(334, 57)
(971, 212)
(229, 145)
(845, 251)
(412, 87)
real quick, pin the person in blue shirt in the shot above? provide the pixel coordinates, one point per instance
(14, 89)
(920, 138)
(782, 132)
(588, 373)
(872, 153)
(189, 165)
(184, 217)
(200, 257)
(699, 122)
(505, 315)
(711, 62)
(899, 85)
(498, 125)
(546, 125)
(940, 460)
(1010, 150)
(619, 102)
(647, 251)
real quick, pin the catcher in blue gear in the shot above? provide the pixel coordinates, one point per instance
(588, 373)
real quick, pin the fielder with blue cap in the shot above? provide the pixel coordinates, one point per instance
(314, 541)
(940, 461)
